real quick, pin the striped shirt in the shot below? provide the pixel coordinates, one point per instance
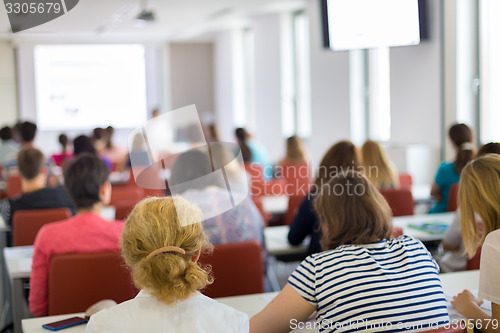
(390, 286)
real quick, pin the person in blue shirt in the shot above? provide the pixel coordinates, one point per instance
(449, 172)
(259, 152)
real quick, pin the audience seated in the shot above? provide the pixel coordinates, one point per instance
(479, 193)
(294, 168)
(112, 152)
(377, 167)
(163, 251)
(363, 276)
(449, 173)
(86, 182)
(65, 154)
(259, 152)
(83, 144)
(240, 223)
(454, 257)
(35, 194)
(27, 133)
(8, 148)
(343, 156)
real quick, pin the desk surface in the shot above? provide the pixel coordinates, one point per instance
(18, 260)
(404, 221)
(277, 242)
(252, 304)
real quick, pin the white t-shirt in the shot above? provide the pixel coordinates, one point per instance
(489, 283)
(453, 261)
(144, 313)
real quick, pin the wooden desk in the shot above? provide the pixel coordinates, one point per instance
(252, 304)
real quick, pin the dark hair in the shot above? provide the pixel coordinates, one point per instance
(460, 135)
(489, 148)
(83, 144)
(241, 135)
(342, 156)
(109, 136)
(63, 140)
(83, 178)
(352, 211)
(6, 133)
(27, 131)
(30, 162)
(192, 165)
(98, 133)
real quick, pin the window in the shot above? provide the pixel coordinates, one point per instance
(490, 70)
(243, 53)
(296, 77)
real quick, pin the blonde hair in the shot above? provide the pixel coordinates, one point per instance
(479, 192)
(352, 211)
(373, 156)
(294, 150)
(153, 224)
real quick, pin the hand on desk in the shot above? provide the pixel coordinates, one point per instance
(467, 304)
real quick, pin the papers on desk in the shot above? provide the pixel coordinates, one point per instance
(24, 265)
(19, 252)
(431, 227)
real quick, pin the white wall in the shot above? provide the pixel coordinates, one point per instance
(191, 76)
(8, 93)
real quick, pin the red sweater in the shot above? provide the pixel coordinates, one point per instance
(83, 233)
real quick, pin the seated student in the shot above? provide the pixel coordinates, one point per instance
(363, 278)
(111, 151)
(27, 133)
(86, 181)
(377, 167)
(240, 223)
(83, 144)
(35, 194)
(9, 147)
(65, 154)
(449, 173)
(454, 257)
(341, 157)
(479, 193)
(259, 152)
(294, 167)
(163, 252)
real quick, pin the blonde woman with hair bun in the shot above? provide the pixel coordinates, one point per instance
(377, 167)
(479, 193)
(163, 256)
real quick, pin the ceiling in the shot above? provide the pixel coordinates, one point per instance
(176, 20)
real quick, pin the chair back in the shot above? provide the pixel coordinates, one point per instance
(13, 185)
(400, 201)
(237, 269)
(474, 262)
(452, 198)
(405, 180)
(78, 280)
(27, 223)
(126, 194)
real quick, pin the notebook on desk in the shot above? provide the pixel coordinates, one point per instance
(434, 228)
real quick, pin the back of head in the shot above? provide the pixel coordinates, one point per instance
(194, 166)
(27, 130)
(83, 144)
(63, 140)
(461, 137)
(241, 135)
(489, 148)
(6, 133)
(295, 150)
(341, 157)
(30, 162)
(83, 177)
(109, 136)
(376, 165)
(352, 211)
(479, 192)
(169, 275)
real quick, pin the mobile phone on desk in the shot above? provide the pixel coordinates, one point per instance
(59, 325)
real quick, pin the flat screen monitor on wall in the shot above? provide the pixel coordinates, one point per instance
(364, 24)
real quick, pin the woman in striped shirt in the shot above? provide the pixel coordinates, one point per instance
(363, 281)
